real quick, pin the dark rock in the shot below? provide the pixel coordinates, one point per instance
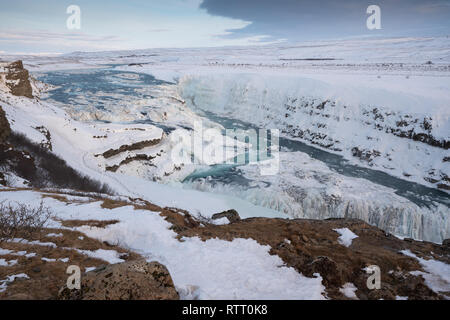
(328, 269)
(18, 79)
(443, 186)
(381, 294)
(232, 215)
(5, 129)
(21, 296)
(132, 147)
(36, 269)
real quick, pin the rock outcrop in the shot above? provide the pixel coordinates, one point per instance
(5, 129)
(231, 215)
(133, 280)
(17, 79)
(132, 147)
(312, 246)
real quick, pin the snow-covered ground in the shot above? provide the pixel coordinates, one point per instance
(380, 103)
(437, 275)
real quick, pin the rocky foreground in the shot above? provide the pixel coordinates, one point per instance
(311, 247)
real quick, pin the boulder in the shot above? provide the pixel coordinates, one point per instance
(5, 129)
(231, 215)
(132, 280)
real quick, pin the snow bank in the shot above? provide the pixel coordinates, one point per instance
(346, 236)
(437, 275)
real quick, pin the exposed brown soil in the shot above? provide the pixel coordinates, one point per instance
(131, 147)
(88, 223)
(48, 137)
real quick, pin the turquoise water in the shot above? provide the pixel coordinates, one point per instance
(94, 81)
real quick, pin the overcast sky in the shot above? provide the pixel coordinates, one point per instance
(37, 26)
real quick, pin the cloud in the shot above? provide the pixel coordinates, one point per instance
(311, 19)
(67, 39)
(49, 36)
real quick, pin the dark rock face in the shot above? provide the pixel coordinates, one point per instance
(365, 155)
(138, 157)
(47, 144)
(446, 243)
(5, 129)
(132, 147)
(17, 80)
(134, 280)
(327, 114)
(20, 162)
